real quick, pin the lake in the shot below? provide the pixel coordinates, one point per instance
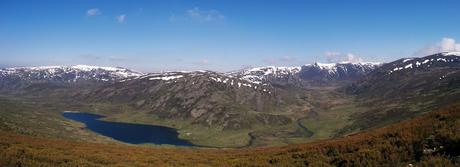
(128, 132)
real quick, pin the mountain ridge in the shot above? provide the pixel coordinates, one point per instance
(260, 104)
(69, 73)
(261, 76)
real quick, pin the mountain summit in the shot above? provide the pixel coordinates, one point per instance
(316, 71)
(67, 73)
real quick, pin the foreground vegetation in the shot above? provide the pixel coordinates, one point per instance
(429, 140)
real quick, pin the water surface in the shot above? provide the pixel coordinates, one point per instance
(128, 132)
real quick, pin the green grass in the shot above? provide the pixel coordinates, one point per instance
(328, 122)
(26, 116)
(333, 108)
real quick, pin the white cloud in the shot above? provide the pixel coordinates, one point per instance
(353, 58)
(331, 54)
(198, 15)
(334, 57)
(445, 45)
(93, 12)
(121, 18)
(204, 15)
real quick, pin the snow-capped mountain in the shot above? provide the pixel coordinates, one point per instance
(410, 76)
(253, 77)
(316, 71)
(247, 77)
(221, 79)
(261, 75)
(444, 59)
(206, 97)
(238, 99)
(336, 71)
(67, 73)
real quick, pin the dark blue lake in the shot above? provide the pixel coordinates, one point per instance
(127, 132)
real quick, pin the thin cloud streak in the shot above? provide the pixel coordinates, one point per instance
(445, 45)
(337, 57)
(198, 15)
(93, 12)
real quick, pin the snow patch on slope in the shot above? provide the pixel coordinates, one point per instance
(166, 78)
(451, 53)
(429, 60)
(77, 71)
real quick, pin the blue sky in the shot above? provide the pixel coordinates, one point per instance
(159, 35)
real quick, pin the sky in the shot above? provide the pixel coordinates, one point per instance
(222, 35)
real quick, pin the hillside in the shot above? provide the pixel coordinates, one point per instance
(406, 88)
(263, 106)
(308, 74)
(218, 109)
(430, 140)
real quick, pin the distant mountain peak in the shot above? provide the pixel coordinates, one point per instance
(434, 60)
(68, 73)
(330, 65)
(89, 68)
(316, 71)
(79, 67)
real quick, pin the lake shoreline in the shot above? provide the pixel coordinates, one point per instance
(130, 133)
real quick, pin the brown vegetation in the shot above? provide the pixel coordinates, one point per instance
(429, 140)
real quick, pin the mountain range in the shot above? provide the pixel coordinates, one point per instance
(259, 75)
(265, 103)
(226, 100)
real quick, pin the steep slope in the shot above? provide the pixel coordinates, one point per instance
(217, 108)
(206, 97)
(406, 88)
(317, 73)
(407, 78)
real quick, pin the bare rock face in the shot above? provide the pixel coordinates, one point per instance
(198, 112)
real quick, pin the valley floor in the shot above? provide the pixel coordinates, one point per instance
(319, 114)
(429, 140)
